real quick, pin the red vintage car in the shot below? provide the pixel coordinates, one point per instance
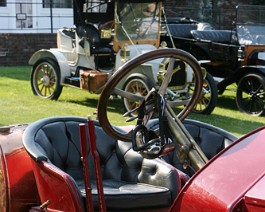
(162, 162)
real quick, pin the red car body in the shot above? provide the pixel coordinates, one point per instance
(18, 190)
(232, 181)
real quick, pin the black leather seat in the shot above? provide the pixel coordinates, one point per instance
(130, 181)
(181, 30)
(102, 50)
(217, 36)
(210, 139)
(97, 45)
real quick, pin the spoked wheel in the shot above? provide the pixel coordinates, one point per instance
(140, 85)
(209, 95)
(45, 79)
(250, 95)
(156, 55)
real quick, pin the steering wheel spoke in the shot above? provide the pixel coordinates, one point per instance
(167, 77)
(128, 95)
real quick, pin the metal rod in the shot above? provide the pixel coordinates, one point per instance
(84, 159)
(51, 15)
(195, 154)
(92, 140)
(168, 30)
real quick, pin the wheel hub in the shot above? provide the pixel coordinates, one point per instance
(253, 95)
(45, 80)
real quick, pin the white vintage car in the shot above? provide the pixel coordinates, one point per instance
(107, 35)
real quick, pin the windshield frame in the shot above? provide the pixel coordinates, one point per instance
(129, 17)
(250, 24)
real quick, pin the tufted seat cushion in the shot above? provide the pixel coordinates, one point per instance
(210, 139)
(217, 36)
(129, 180)
(181, 30)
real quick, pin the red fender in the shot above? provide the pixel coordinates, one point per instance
(18, 190)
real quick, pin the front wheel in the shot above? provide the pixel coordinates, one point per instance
(250, 95)
(209, 96)
(45, 79)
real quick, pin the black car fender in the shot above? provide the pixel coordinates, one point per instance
(248, 69)
(253, 58)
(238, 74)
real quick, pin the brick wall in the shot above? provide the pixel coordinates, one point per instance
(16, 49)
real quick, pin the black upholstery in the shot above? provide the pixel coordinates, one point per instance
(210, 139)
(217, 36)
(182, 30)
(98, 46)
(130, 181)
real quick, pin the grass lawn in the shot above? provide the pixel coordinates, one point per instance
(19, 105)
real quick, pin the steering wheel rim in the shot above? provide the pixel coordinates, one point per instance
(130, 65)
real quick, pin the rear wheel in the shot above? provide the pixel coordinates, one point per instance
(250, 95)
(209, 96)
(139, 85)
(45, 79)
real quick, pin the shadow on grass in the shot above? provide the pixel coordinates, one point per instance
(114, 106)
(16, 72)
(87, 102)
(227, 102)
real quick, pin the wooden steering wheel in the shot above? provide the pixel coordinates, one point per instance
(172, 55)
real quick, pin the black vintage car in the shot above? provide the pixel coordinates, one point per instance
(234, 56)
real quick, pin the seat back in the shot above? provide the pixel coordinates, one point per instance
(53, 144)
(101, 49)
(92, 34)
(210, 139)
(217, 36)
(182, 30)
(57, 140)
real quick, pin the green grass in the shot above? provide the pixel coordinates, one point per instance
(19, 105)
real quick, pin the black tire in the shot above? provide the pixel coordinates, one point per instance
(139, 85)
(209, 96)
(45, 79)
(250, 95)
